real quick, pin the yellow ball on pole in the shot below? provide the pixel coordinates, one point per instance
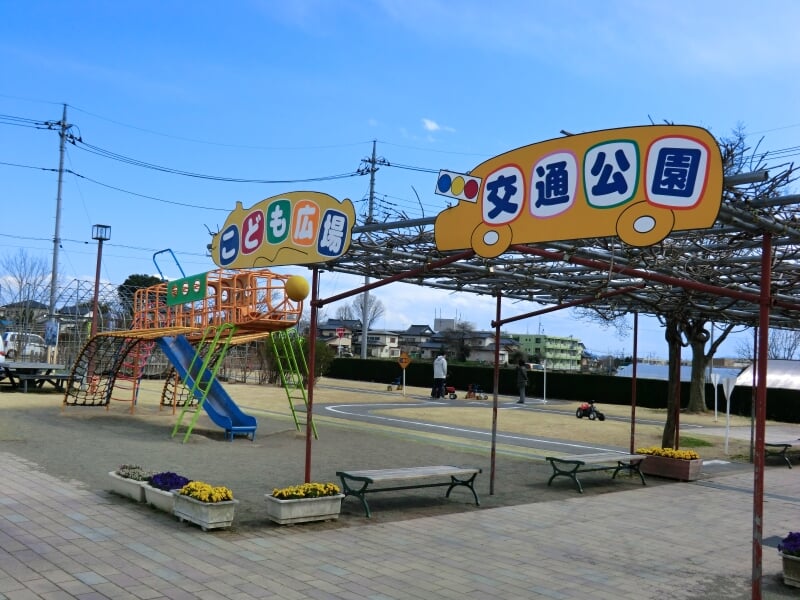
(297, 288)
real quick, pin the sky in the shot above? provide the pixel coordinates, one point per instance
(171, 101)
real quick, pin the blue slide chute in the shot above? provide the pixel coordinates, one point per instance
(222, 410)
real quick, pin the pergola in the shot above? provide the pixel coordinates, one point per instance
(743, 271)
(726, 257)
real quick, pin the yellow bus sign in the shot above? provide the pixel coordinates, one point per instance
(639, 183)
(295, 228)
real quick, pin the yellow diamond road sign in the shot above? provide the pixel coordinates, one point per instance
(404, 360)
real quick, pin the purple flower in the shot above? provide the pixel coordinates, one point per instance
(790, 544)
(168, 481)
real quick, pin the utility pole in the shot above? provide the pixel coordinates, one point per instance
(373, 163)
(51, 311)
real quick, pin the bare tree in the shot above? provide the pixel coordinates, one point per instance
(710, 257)
(782, 344)
(375, 309)
(456, 340)
(25, 278)
(344, 312)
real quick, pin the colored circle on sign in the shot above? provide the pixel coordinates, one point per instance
(444, 183)
(457, 186)
(471, 189)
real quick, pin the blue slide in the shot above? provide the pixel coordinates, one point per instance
(223, 411)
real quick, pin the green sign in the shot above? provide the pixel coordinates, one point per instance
(186, 289)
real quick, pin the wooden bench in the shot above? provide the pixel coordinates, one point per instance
(571, 465)
(408, 478)
(779, 449)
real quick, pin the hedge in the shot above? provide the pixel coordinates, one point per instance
(782, 405)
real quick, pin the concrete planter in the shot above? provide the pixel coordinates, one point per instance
(672, 468)
(303, 510)
(129, 488)
(208, 515)
(160, 499)
(791, 570)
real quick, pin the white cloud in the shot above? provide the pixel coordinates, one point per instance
(431, 125)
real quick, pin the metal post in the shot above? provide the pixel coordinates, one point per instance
(100, 233)
(761, 413)
(633, 379)
(312, 358)
(496, 389)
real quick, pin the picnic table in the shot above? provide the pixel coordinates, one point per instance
(407, 478)
(19, 374)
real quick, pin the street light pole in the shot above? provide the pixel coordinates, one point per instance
(101, 233)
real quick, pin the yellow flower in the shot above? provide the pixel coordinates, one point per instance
(306, 490)
(669, 453)
(204, 492)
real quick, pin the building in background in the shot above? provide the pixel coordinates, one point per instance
(556, 352)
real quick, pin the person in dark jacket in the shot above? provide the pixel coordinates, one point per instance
(522, 380)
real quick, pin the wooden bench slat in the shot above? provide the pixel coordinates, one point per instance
(605, 461)
(603, 457)
(404, 473)
(457, 476)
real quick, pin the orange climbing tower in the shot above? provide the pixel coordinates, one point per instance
(256, 301)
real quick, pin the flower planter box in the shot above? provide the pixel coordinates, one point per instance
(161, 499)
(129, 488)
(672, 468)
(791, 570)
(303, 510)
(208, 515)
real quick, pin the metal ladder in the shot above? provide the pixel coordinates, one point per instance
(201, 378)
(292, 369)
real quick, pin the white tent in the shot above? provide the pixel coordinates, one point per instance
(781, 374)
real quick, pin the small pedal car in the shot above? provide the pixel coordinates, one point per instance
(475, 391)
(588, 409)
(450, 392)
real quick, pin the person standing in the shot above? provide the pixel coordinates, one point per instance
(522, 380)
(439, 376)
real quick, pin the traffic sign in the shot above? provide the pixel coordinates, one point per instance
(404, 360)
(340, 332)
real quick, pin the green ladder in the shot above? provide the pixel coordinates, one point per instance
(210, 349)
(293, 369)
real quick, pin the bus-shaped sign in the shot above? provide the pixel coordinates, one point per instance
(639, 183)
(291, 229)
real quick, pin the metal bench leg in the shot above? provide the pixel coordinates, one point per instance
(631, 469)
(455, 481)
(572, 474)
(358, 493)
(783, 453)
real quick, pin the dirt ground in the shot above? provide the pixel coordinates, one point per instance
(82, 444)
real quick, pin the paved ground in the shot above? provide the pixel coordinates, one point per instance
(62, 535)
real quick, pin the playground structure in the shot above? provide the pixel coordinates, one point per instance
(194, 321)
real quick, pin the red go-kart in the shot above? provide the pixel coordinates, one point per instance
(587, 409)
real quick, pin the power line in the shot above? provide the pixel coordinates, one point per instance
(138, 195)
(23, 122)
(92, 149)
(28, 238)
